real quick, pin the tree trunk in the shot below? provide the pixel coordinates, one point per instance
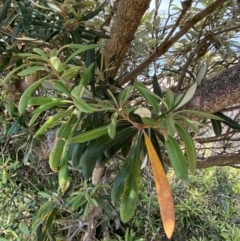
(125, 23)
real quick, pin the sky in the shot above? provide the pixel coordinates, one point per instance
(164, 4)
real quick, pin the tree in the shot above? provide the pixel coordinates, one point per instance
(112, 76)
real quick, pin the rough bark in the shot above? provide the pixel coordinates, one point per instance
(223, 160)
(217, 93)
(125, 23)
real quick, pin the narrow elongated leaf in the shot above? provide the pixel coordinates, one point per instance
(105, 143)
(51, 120)
(112, 125)
(50, 105)
(177, 158)
(132, 184)
(77, 152)
(156, 87)
(41, 53)
(149, 121)
(90, 135)
(82, 105)
(41, 100)
(190, 147)
(85, 79)
(27, 93)
(201, 73)
(217, 127)
(201, 114)
(189, 123)
(150, 97)
(187, 96)
(164, 193)
(228, 121)
(80, 49)
(31, 70)
(169, 99)
(123, 174)
(170, 125)
(124, 95)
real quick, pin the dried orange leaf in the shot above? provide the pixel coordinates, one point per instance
(164, 192)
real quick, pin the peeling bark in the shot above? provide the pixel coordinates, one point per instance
(125, 24)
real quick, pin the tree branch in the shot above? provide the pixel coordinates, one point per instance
(167, 44)
(224, 160)
(217, 93)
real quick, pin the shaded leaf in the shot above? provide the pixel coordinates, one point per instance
(217, 127)
(190, 147)
(132, 184)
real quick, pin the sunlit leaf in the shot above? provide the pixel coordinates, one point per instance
(177, 158)
(187, 96)
(190, 147)
(143, 112)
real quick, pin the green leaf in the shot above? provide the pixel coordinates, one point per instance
(41, 100)
(122, 176)
(82, 105)
(27, 93)
(217, 127)
(105, 143)
(112, 125)
(170, 125)
(201, 114)
(77, 152)
(189, 123)
(201, 73)
(60, 86)
(190, 147)
(70, 73)
(23, 228)
(51, 120)
(113, 98)
(41, 53)
(228, 121)
(60, 149)
(124, 95)
(80, 49)
(90, 135)
(169, 99)
(50, 105)
(177, 158)
(187, 96)
(31, 70)
(57, 64)
(150, 97)
(149, 121)
(86, 75)
(156, 87)
(132, 183)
